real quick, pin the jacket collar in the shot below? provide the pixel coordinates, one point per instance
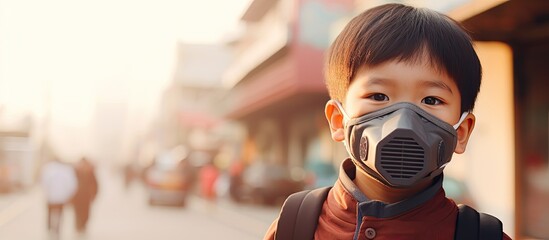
(378, 209)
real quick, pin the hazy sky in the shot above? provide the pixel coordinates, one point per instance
(64, 57)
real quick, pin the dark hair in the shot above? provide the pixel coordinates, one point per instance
(404, 33)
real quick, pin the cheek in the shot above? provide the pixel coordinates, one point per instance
(358, 107)
(444, 112)
(352, 106)
(446, 115)
(455, 114)
(449, 112)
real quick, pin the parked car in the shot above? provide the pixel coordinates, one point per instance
(270, 183)
(169, 181)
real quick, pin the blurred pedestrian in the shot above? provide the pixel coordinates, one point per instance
(59, 183)
(188, 173)
(236, 171)
(208, 176)
(85, 193)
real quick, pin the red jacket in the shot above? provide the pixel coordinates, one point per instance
(427, 215)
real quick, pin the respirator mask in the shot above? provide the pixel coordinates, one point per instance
(400, 145)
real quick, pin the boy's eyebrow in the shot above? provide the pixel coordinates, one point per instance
(378, 81)
(437, 84)
(427, 83)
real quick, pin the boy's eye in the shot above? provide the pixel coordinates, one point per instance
(379, 97)
(431, 101)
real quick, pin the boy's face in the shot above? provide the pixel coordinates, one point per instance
(416, 82)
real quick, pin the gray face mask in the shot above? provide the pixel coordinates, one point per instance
(400, 145)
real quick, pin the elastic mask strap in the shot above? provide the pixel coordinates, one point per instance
(461, 119)
(345, 116)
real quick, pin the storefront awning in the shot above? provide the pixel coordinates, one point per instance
(272, 86)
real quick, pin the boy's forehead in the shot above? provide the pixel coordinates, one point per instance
(417, 61)
(395, 72)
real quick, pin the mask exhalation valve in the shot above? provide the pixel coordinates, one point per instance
(363, 148)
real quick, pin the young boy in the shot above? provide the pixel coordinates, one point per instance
(403, 82)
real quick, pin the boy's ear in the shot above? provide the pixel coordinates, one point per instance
(464, 132)
(335, 120)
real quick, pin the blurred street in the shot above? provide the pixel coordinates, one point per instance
(121, 213)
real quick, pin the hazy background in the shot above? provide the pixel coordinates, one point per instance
(72, 65)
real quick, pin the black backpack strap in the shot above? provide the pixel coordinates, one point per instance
(310, 210)
(490, 227)
(299, 215)
(467, 223)
(473, 225)
(288, 216)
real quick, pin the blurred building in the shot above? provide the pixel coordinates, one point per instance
(276, 81)
(192, 105)
(277, 88)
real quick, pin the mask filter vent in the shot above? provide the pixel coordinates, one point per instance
(402, 158)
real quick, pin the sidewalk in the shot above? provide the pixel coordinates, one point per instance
(6, 199)
(30, 202)
(253, 219)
